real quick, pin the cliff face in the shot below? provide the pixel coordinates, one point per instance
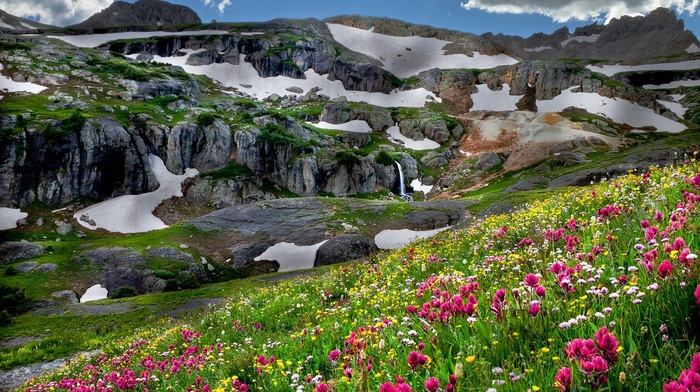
(152, 13)
(627, 39)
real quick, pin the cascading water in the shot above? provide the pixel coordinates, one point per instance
(402, 185)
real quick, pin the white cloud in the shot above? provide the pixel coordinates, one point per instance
(55, 12)
(220, 5)
(565, 10)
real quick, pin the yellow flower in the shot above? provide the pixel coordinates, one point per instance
(471, 359)
(535, 388)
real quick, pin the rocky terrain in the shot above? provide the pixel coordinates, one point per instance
(142, 13)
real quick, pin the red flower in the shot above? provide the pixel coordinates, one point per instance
(322, 388)
(562, 381)
(534, 310)
(664, 269)
(432, 384)
(697, 294)
(532, 280)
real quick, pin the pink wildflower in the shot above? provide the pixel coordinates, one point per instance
(532, 280)
(432, 384)
(534, 310)
(664, 269)
(562, 381)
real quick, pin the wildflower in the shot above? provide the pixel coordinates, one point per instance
(432, 384)
(697, 294)
(534, 309)
(695, 363)
(562, 381)
(532, 280)
(322, 388)
(540, 291)
(416, 359)
(664, 269)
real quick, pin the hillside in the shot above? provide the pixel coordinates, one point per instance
(151, 171)
(597, 288)
(142, 13)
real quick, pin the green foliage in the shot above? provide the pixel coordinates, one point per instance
(347, 158)
(74, 123)
(125, 292)
(205, 119)
(6, 46)
(164, 274)
(275, 134)
(5, 318)
(384, 158)
(13, 299)
(190, 281)
(232, 169)
(11, 271)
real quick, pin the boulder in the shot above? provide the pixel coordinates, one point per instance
(344, 247)
(13, 251)
(66, 295)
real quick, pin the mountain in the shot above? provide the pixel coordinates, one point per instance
(627, 39)
(16, 25)
(151, 13)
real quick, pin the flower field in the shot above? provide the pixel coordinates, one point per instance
(596, 289)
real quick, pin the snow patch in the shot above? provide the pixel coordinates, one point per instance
(611, 70)
(27, 25)
(538, 49)
(497, 101)
(5, 25)
(580, 38)
(616, 109)
(94, 293)
(408, 56)
(9, 85)
(357, 126)
(251, 33)
(9, 217)
(675, 107)
(394, 239)
(417, 185)
(291, 257)
(693, 48)
(93, 40)
(396, 137)
(677, 83)
(243, 75)
(134, 213)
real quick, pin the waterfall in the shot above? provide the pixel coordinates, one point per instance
(402, 185)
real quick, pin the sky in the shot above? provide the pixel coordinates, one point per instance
(514, 17)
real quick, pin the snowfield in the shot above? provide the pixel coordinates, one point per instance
(616, 109)
(291, 257)
(580, 38)
(408, 56)
(134, 213)
(93, 40)
(9, 217)
(245, 78)
(395, 136)
(357, 126)
(677, 83)
(611, 70)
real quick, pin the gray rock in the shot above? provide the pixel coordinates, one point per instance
(295, 90)
(46, 267)
(344, 247)
(487, 161)
(66, 295)
(429, 219)
(13, 251)
(63, 228)
(26, 266)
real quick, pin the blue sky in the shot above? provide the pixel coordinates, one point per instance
(517, 17)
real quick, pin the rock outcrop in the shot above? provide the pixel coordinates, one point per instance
(13, 251)
(344, 247)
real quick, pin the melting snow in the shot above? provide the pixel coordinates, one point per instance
(9, 217)
(394, 239)
(497, 101)
(675, 107)
(693, 48)
(251, 33)
(417, 185)
(93, 40)
(9, 85)
(357, 126)
(616, 109)
(408, 56)
(538, 49)
(243, 75)
(677, 83)
(94, 293)
(580, 38)
(611, 70)
(134, 213)
(5, 25)
(398, 138)
(291, 257)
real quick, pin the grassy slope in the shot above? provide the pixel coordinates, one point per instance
(364, 309)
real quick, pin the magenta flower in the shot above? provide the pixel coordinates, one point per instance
(674, 386)
(334, 355)
(532, 280)
(416, 359)
(322, 388)
(540, 291)
(664, 269)
(432, 384)
(697, 294)
(695, 362)
(562, 381)
(607, 343)
(534, 309)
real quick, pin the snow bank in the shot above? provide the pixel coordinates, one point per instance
(394, 239)
(357, 126)
(94, 293)
(693, 48)
(538, 49)
(616, 109)
(9, 217)
(580, 38)
(677, 83)
(245, 78)
(5, 25)
(9, 85)
(417, 185)
(134, 213)
(291, 257)
(675, 107)
(497, 101)
(407, 56)
(611, 70)
(396, 137)
(93, 40)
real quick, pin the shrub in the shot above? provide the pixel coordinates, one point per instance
(347, 158)
(125, 292)
(11, 271)
(189, 282)
(74, 122)
(384, 158)
(5, 318)
(13, 299)
(205, 119)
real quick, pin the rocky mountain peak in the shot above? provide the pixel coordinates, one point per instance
(151, 13)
